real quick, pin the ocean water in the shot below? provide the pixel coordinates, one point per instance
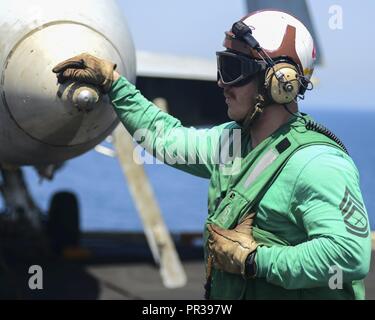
(106, 204)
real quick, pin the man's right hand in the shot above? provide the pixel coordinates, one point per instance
(89, 69)
(231, 248)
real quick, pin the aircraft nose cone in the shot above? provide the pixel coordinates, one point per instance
(59, 115)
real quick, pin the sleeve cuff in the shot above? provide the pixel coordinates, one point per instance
(117, 86)
(261, 261)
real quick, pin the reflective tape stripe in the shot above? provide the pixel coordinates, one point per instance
(268, 158)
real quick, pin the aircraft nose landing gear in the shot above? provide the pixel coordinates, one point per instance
(61, 225)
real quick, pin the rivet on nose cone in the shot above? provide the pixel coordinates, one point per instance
(85, 98)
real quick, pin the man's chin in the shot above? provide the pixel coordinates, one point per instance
(233, 117)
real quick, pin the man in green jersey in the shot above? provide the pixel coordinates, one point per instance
(286, 218)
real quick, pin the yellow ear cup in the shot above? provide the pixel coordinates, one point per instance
(282, 83)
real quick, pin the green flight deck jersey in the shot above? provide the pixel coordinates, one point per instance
(311, 220)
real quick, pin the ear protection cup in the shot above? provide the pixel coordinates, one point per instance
(281, 83)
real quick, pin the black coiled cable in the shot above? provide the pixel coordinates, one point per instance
(311, 125)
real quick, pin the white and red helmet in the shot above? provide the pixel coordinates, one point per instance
(281, 36)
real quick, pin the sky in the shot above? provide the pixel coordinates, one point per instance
(196, 28)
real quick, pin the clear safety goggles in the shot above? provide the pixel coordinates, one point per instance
(234, 69)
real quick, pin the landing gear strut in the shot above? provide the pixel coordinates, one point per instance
(62, 226)
(17, 200)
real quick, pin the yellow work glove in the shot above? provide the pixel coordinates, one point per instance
(87, 68)
(230, 248)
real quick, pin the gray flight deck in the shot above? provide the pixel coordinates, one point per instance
(118, 267)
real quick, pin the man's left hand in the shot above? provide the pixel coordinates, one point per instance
(89, 69)
(230, 248)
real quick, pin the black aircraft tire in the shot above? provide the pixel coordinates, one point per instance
(63, 221)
